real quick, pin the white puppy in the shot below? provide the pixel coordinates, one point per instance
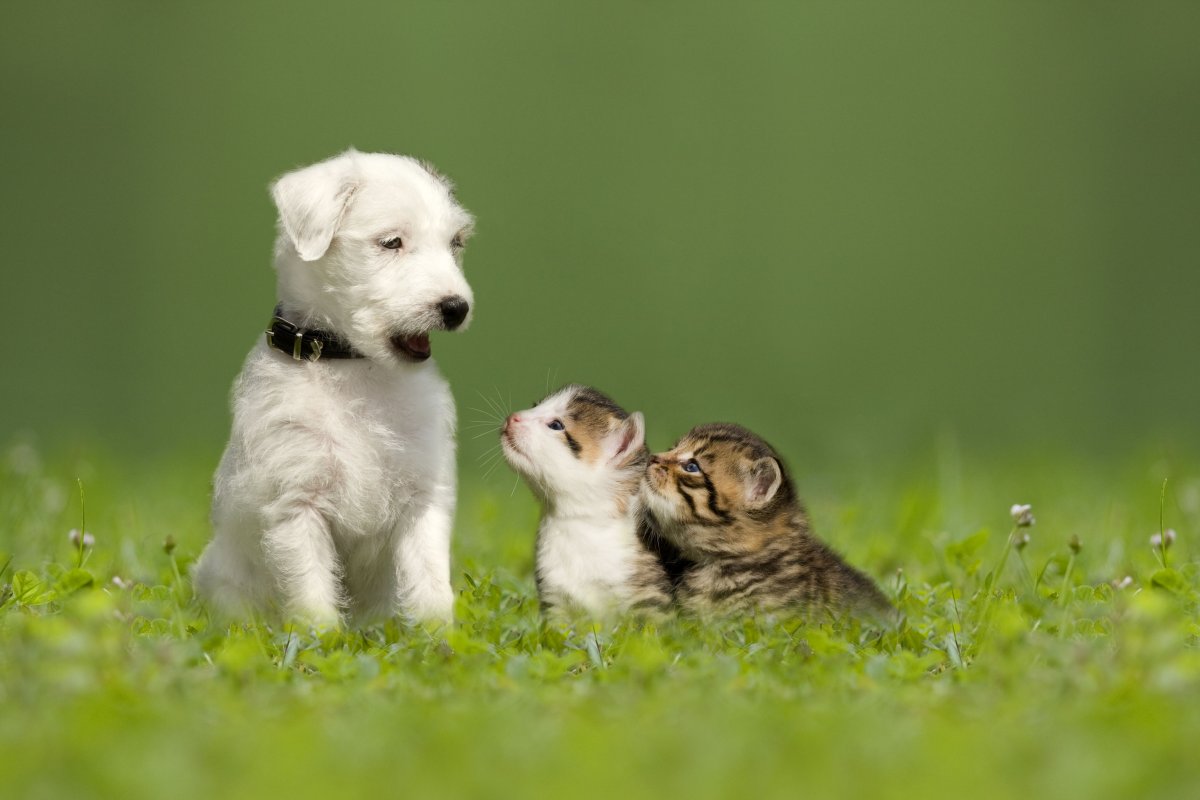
(336, 491)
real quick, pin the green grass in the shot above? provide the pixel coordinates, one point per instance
(1054, 683)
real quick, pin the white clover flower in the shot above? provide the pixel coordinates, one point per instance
(1022, 515)
(1163, 540)
(1124, 583)
(121, 583)
(74, 538)
(1020, 540)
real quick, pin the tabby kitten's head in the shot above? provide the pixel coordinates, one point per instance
(720, 491)
(577, 446)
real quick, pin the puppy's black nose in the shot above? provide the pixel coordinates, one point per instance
(454, 311)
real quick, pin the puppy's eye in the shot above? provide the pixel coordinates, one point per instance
(692, 465)
(394, 243)
(555, 425)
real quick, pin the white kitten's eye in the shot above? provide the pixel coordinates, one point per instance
(394, 243)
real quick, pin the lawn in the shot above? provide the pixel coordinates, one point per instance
(1068, 667)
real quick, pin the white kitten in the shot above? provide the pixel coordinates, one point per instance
(584, 456)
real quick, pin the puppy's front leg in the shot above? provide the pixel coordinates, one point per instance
(423, 560)
(300, 553)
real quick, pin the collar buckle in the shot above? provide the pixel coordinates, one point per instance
(306, 345)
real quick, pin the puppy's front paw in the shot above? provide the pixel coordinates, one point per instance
(319, 619)
(433, 605)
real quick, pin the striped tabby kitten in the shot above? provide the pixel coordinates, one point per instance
(725, 499)
(584, 456)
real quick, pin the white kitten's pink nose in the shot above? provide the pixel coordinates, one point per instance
(513, 419)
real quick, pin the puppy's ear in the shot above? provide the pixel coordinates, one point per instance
(627, 439)
(763, 480)
(312, 202)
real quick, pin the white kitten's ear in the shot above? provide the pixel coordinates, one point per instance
(627, 439)
(312, 202)
(763, 481)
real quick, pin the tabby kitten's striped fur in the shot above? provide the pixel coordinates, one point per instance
(725, 499)
(584, 456)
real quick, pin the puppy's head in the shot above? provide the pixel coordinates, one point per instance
(370, 246)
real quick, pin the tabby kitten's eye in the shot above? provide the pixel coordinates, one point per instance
(692, 466)
(556, 425)
(394, 243)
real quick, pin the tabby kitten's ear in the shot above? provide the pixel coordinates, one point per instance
(763, 480)
(628, 438)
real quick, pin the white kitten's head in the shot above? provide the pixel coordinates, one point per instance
(577, 448)
(370, 247)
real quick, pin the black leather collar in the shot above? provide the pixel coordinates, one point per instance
(306, 345)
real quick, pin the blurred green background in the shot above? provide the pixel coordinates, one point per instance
(855, 227)
(943, 254)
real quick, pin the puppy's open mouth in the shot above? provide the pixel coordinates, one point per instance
(415, 347)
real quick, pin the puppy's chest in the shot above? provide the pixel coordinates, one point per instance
(401, 421)
(398, 425)
(375, 438)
